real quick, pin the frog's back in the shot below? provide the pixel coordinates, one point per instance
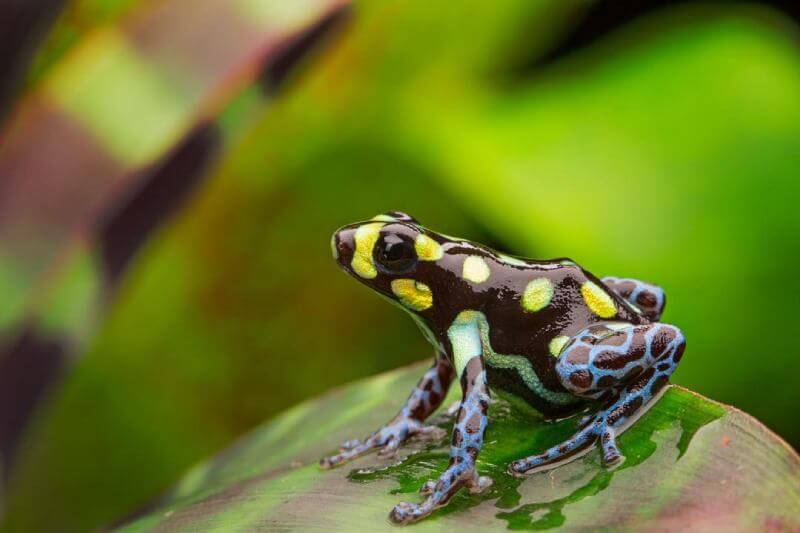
(536, 308)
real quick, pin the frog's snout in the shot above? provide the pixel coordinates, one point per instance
(343, 244)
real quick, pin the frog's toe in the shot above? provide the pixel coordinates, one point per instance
(349, 444)
(612, 461)
(327, 462)
(480, 484)
(405, 513)
(357, 450)
(518, 468)
(332, 461)
(390, 448)
(612, 456)
(428, 487)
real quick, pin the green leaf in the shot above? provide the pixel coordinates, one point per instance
(689, 460)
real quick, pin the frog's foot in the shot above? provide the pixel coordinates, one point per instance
(598, 428)
(634, 360)
(438, 493)
(386, 441)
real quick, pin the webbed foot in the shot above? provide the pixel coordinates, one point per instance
(386, 441)
(438, 493)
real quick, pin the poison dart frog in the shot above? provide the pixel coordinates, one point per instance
(548, 333)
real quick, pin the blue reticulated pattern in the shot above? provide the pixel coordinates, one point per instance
(468, 434)
(647, 298)
(623, 364)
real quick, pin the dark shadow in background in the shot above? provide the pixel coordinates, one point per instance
(32, 363)
(23, 24)
(607, 16)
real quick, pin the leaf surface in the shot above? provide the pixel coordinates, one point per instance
(691, 462)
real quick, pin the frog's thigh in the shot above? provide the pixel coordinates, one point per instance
(646, 297)
(627, 364)
(602, 359)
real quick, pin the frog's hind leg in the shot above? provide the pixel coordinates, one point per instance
(646, 297)
(626, 365)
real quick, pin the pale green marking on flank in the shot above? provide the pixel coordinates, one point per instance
(130, 106)
(465, 339)
(468, 321)
(469, 336)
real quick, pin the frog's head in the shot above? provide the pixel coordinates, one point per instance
(392, 254)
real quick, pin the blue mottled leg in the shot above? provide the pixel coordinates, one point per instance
(467, 440)
(624, 365)
(646, 297)
(424, 400)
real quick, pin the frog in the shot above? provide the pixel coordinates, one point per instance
(546, 333)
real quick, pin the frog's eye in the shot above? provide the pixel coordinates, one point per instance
(395, 254)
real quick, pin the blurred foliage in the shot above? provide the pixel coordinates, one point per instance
(77, 18)
(668, 151)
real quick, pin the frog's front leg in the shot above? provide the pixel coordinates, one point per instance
(423, 400)
(625, 364)
(468, 433)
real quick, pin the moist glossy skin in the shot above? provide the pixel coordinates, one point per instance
(547, 333)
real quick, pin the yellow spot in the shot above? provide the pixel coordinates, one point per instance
(475, 269)
(384, 218)
(412, 294)
(366, 237)
(598, 300)
(427, 249)
(334, 250)
(557, 344)
(537, 295)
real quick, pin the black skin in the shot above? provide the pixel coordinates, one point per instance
(512, 330)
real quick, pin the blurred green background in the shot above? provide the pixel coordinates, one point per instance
(173, 259)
